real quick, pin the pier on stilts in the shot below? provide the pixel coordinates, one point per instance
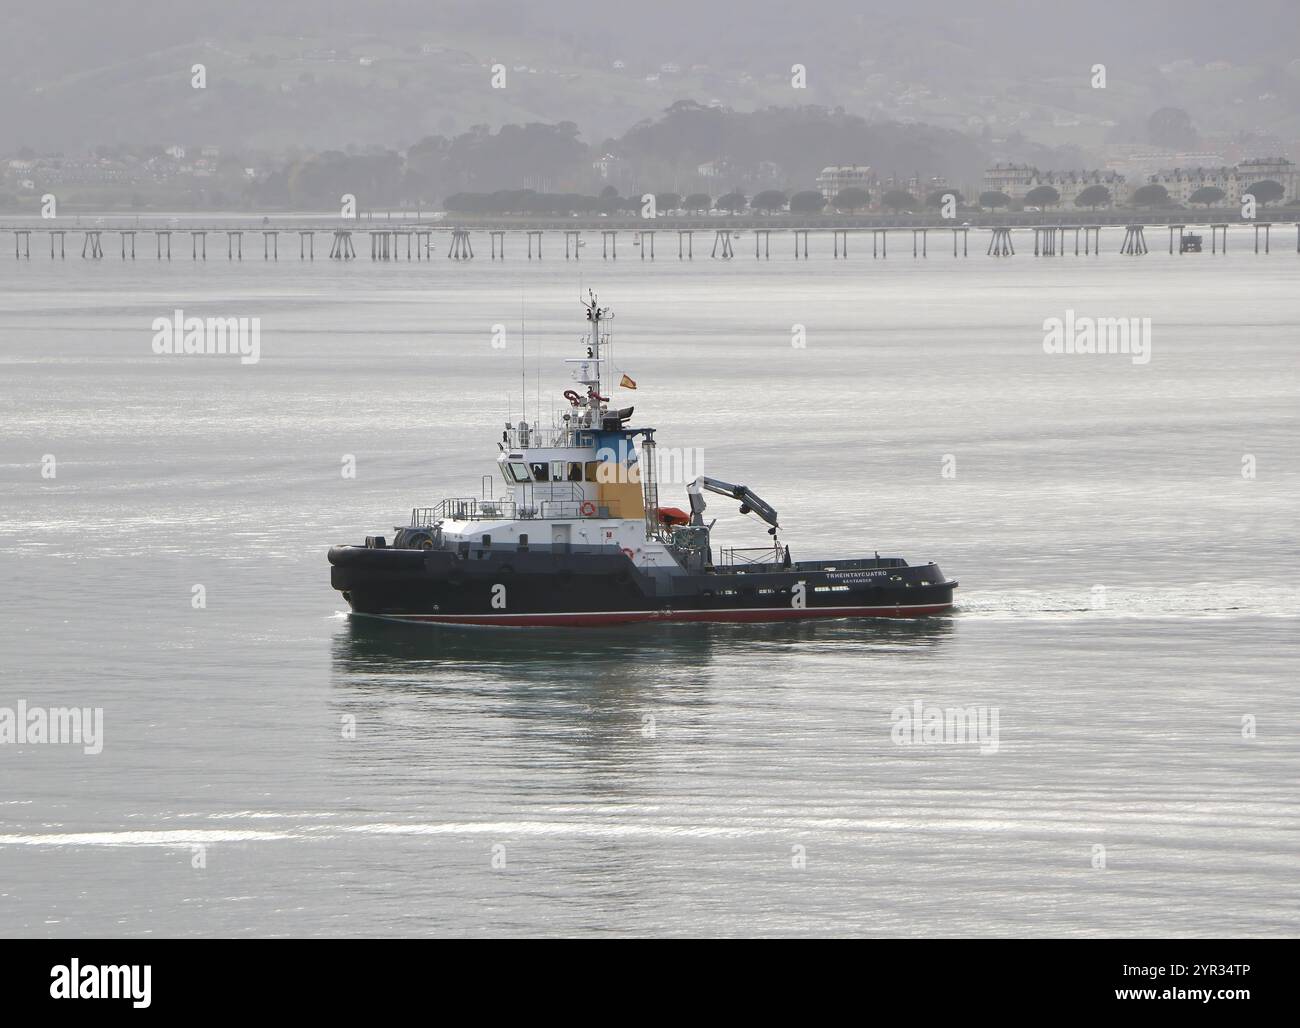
(386, 237)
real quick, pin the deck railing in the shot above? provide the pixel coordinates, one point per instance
(569, 504)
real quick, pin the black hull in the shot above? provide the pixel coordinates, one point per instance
(533, 588)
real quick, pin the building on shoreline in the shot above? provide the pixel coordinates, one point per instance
(833, 180)
(1018, 180)
(1182, 183)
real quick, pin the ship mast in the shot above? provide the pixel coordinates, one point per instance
(590, 369)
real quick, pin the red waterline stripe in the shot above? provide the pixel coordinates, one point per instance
(620, 617)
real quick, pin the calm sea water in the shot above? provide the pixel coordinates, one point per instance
(1128, 600)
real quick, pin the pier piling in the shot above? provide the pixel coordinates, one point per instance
(1000, 243)
(460, 249)
(1135, 244)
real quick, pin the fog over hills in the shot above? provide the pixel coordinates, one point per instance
(325, 73)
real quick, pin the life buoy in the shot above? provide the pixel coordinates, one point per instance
(572, 397)
(587, 509)
(628, 553)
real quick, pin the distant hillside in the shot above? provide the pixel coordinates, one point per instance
(326, 73)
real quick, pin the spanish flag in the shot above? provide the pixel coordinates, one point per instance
(626, 383)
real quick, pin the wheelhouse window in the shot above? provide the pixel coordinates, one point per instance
(557, 471)
(575, 471)
(519, 471)
(541, 471)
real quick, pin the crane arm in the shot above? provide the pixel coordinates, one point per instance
(748, 500)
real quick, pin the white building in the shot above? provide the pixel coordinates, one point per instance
(1278, 169)
(833, 180)
(1018, 180)
(1182, 183)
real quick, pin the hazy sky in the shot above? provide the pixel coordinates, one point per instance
(75, 73)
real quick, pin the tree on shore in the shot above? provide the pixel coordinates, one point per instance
(1151, 195)
(1267, 191)
(735, 201)
(993, 199)
(1042, 196)
(697, 202)
(1207, 195)
(810, 201)
(851, 199)
(1093, 197)
(769, 200)
(667, 202)
(898, 200)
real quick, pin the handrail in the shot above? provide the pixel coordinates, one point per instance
(470, 508)
(738, 554)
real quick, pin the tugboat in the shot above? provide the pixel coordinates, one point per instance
(580, 539)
